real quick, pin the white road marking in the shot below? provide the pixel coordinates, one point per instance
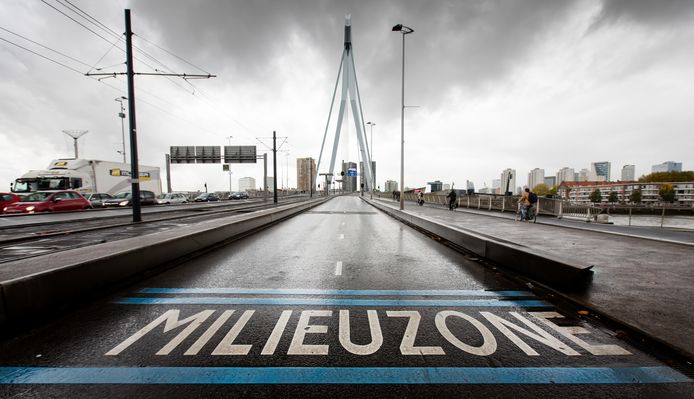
(338, 269)
(341, 236)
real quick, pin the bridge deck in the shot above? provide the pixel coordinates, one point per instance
(642, 281)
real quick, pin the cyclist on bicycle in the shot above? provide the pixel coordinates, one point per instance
(524, 202)
(452, 197)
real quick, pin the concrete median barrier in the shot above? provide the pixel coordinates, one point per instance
(538, 265)
(55, 281)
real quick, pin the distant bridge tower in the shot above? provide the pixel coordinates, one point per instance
(349, 87)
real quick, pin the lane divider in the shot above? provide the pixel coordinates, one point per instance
(532, 303)
(310, 291)
(341, 375)
(338, 268)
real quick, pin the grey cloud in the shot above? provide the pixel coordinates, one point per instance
(663, 13)
(482, 40)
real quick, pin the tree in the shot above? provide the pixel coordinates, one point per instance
(667, 193)
(595, 196)
(636, 196)
(613, 197)
(541, 190)
(668, 177)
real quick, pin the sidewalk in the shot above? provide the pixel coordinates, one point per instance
(640, 281)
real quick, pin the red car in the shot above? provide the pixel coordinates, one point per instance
(6, 199)
(49, 201)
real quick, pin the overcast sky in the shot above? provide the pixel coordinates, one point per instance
(496, 84)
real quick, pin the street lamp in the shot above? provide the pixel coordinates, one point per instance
(404, 30)
(121, 114)
(373, 172)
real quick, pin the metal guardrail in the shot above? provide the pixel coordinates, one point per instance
(559, 209)
(545, 206)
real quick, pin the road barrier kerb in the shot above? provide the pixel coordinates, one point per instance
(538, 265)
(88, 270)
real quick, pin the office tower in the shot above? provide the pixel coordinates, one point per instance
(535, 177)
(565, 174)
(508, 181)
(628, 173)
(246, 184)
(391, 186)
(668, 166)
(349, 179)
(305, 173)
(600, 171)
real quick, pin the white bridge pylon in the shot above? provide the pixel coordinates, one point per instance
(350, 89)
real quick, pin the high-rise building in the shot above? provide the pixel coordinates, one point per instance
(435, 185)
(270, 183)
(565, 174)
(508, 181)
(349, 179)
(496, 187)
(628, 173)
(535, 177)
(305, 173)
(600, 171)
(390, 186)
(550, 181)
(584, 175)
(362, 178)
(470, 186)
(668, 166)
(246, 184)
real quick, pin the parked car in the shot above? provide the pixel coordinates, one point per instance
(239, 195)
(172, 198)
(6, 199)
(124, 198)
(206, 197)
(97, 199)
(49, 201)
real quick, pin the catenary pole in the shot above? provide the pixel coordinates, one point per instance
(134, 169)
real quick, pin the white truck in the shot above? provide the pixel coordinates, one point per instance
(87, 176)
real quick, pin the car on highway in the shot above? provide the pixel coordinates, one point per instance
(124, 198)
(49, 201)
(172, 198)
(206, 197)
(239, 195)
(6, 199)
(97, 199)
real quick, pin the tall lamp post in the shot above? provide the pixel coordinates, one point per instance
(121, 115)
(405, 31)
(371, 157)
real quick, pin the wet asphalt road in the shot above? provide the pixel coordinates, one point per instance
(341, 301)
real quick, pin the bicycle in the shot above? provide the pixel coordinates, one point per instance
(530, 214)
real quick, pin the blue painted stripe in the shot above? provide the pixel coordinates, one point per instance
(346, 375)
(289, 291)
(334, 302)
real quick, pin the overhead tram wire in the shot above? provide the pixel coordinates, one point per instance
(43, 56)
(98, 24)
(74, 20)
(92, 19)
(120, 91)
(171, 54)
(45, 47)
(108, 30)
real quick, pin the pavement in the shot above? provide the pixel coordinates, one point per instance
(642, 278)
